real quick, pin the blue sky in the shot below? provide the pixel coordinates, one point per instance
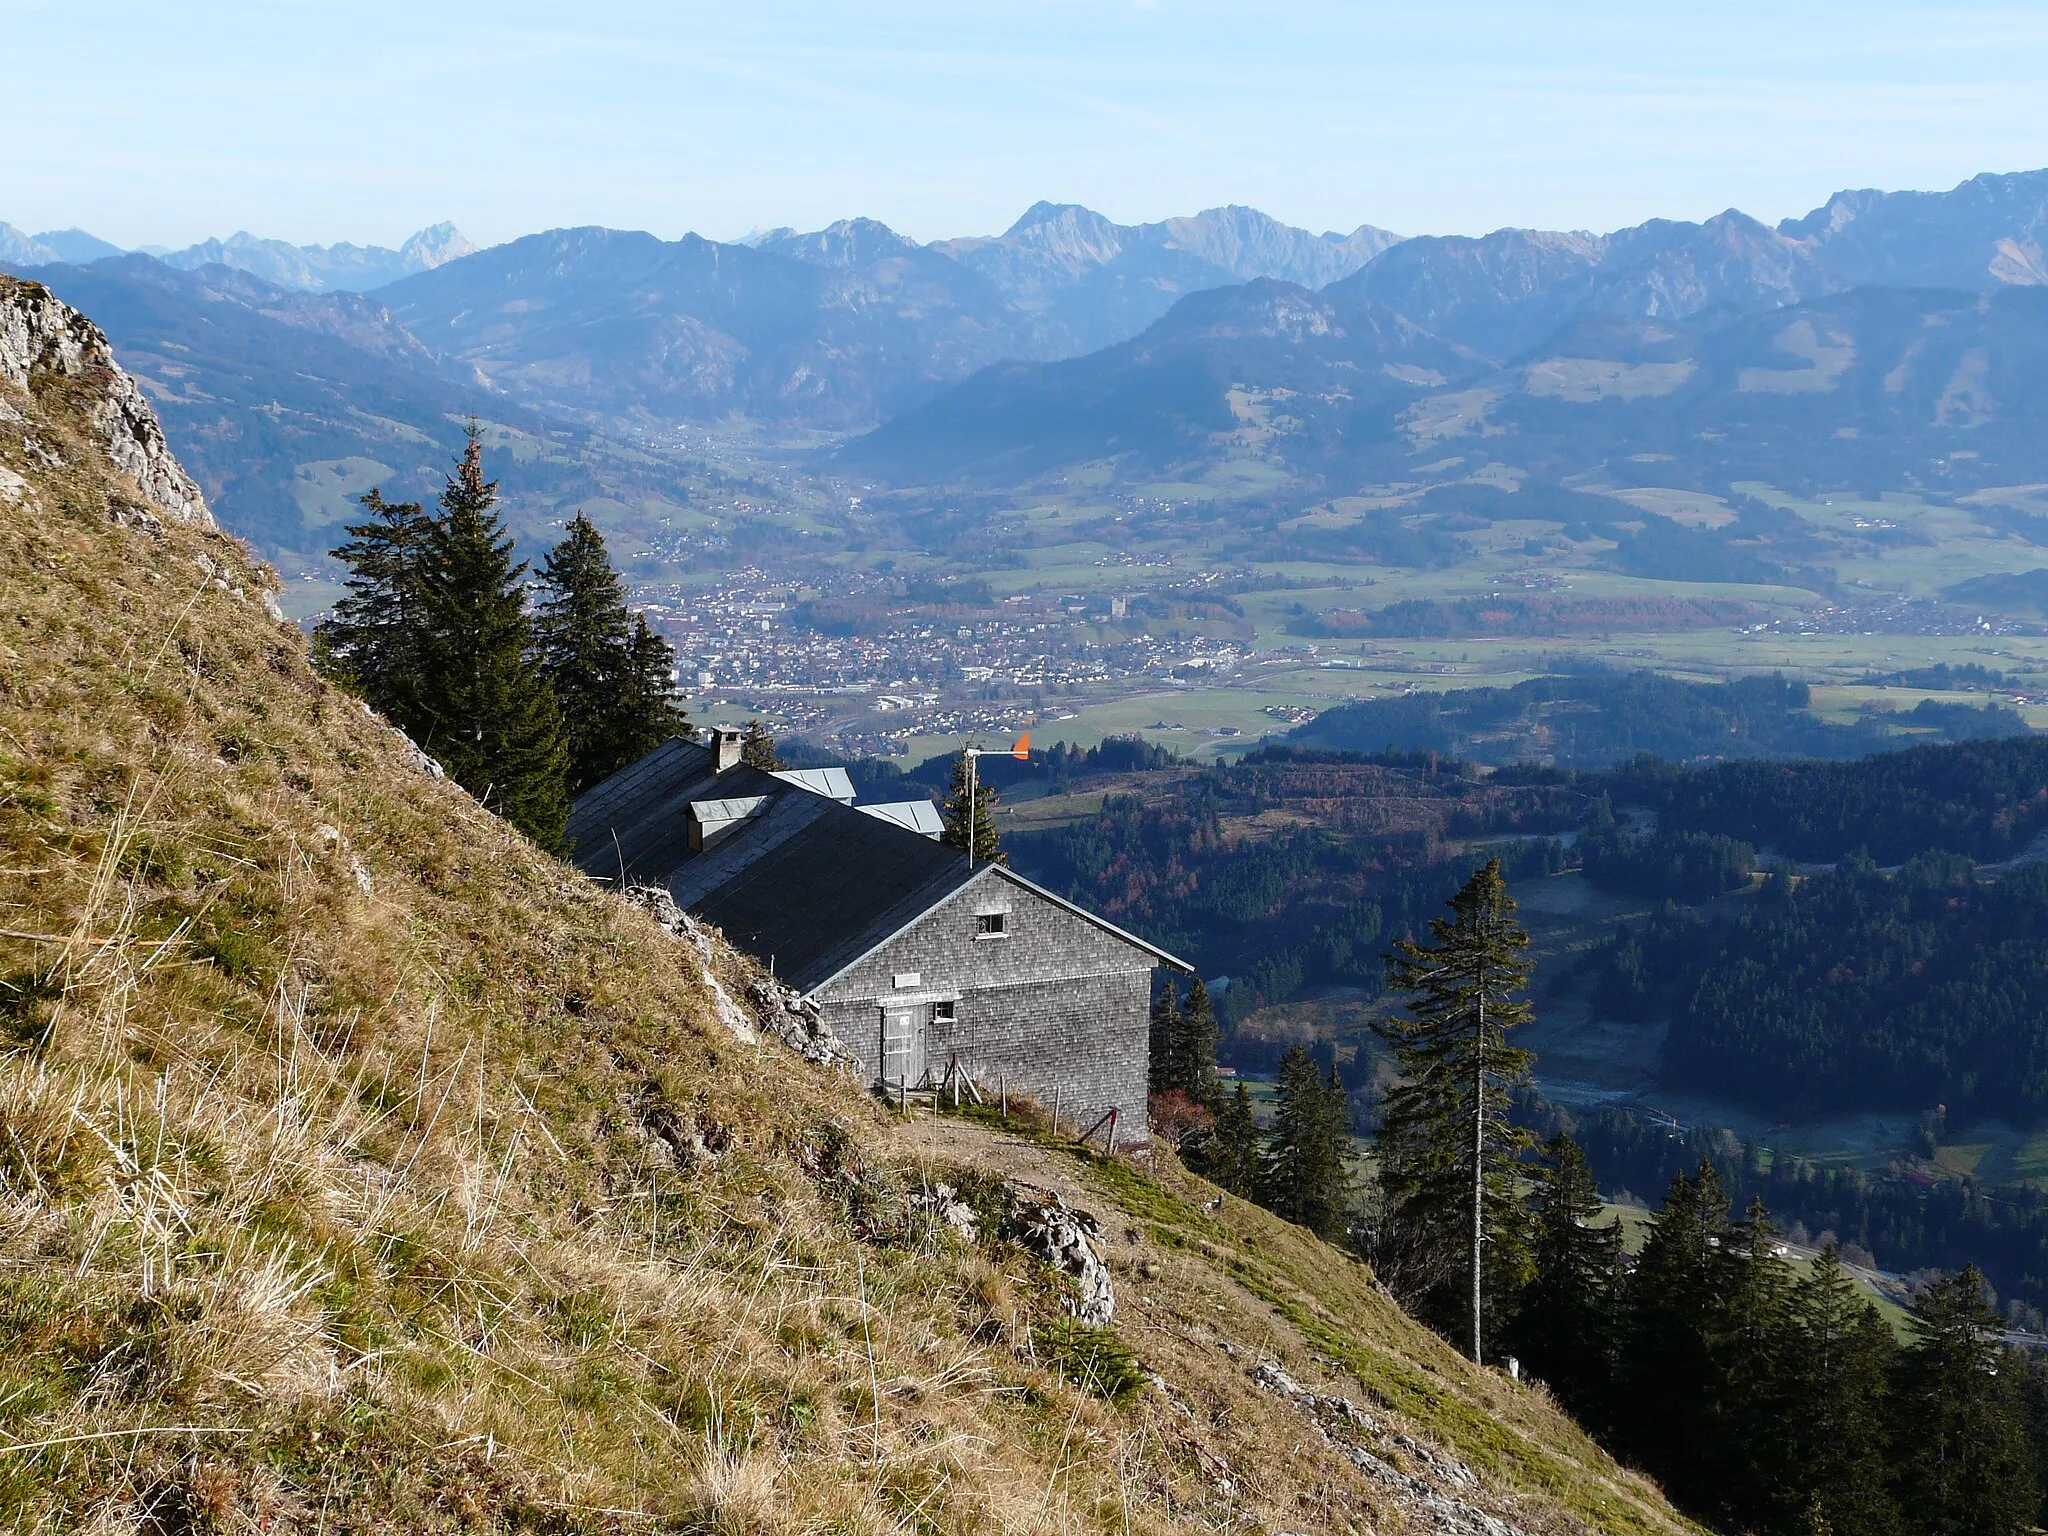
(152, 122)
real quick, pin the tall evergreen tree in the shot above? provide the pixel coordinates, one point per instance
(1163, 1037)
(1305, 1176)
(758, 750)
(988, 847)
(492, 717)
(375, 640)
(1963, 1466)
(1229, 1154)
(610, 673)
(1670, 1295)
(650, 712)
(1834, 1419)
(1447, 1148)
(1667, 1376)
(1194, 1053)
(1564, 1329)
(1751, 1342)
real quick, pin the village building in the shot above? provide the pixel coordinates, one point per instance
(921, 964)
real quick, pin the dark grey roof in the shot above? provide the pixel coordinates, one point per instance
(808, 884)
(633, 826)
(823, 889)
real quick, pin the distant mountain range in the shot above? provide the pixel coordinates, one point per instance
(1888, 336)
(308, 268)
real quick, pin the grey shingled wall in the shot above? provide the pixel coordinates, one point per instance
(1057, 1003)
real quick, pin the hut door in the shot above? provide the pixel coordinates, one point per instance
(903, 1059)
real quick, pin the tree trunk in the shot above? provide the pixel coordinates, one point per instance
(1478, 1161)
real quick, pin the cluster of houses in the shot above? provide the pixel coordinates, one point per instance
(923, 964)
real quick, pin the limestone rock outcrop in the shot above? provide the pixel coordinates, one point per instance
(40, 334)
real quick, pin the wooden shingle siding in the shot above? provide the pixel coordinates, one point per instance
(867, 918)
(1056, 1003)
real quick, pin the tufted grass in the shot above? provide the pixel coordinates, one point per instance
(442, 1204)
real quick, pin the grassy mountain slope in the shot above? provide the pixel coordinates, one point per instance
(363, 1169)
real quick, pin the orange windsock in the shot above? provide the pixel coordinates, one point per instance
(1023, 747)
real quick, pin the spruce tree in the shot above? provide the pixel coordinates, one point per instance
(757, 748)
(1836, 1405)
(1564, 1329)
(1667, 1367)
(1305, 1176)
(1751, 1344)
(491, 716)
(649, 713)
(1164, 1038)
(1447, 1149)
(610, 673)
(374, 643)
(987, 845)
(1963, 1466)
(1194, 1053)
(1231, 1149)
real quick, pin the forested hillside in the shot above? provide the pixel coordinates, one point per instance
(1987, 799)
(1593, 718)
(1852, 991)
(1292, 868)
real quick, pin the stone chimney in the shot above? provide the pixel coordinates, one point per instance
(725, 748)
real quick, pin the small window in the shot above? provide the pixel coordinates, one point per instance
(942, 1013)
(991, 925)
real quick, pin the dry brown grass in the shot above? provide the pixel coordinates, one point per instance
(363, 1169)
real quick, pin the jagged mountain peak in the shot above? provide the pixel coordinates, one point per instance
(322, 268)
(1986, 232)
(435, 244)
(1043, 212)
(842, 243)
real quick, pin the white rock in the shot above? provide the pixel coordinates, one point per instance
(39, 333)
(1062, 1236)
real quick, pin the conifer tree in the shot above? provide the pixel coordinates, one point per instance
(1564, 1328)
(1305, 1175)
(1447, 1149)
(649, 713)
(1667, 1376)
(375, 641)
(1164, 1037)
(1231, 1150)
(988, 847)
(1751, 1343)
(610, 673)
(1194, 1052)
(492, 718)
(757, 748)
(1835, 1411)
(1963, 1467)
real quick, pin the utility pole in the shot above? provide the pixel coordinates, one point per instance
(973, 793)
(1020, 749)
(1478, 1160)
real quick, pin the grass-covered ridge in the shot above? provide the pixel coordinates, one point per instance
(362, 1168)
